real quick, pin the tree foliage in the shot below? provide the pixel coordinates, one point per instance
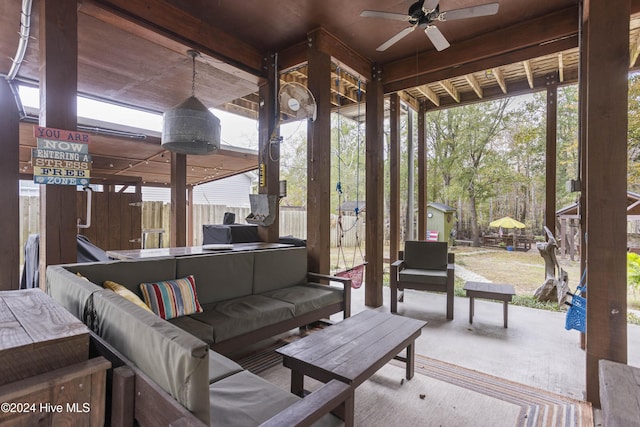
(487, 160)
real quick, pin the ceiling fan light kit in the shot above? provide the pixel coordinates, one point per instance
(422, 13)
(189, 127)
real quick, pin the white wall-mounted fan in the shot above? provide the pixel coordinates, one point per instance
(422, 13)
(297, 102)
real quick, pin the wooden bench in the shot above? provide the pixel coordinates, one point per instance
(493, 291)
(619, 394)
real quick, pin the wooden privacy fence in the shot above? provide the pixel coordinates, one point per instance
(293, 221)
(156, 215)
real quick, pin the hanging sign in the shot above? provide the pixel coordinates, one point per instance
(62, 157)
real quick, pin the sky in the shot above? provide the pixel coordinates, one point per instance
(235, 130)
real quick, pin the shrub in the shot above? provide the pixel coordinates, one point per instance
(633, 271)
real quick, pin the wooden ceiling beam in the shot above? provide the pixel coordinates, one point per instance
(544, 29)
(429, 94)
(560, 67)
(450, 89)
(484, 64)
(243, 107)
(411, 101)
(347, 58)
(497, 74)
(528, 72)
(175, 24)
(473, 82)
(516, 88)
(634, 50)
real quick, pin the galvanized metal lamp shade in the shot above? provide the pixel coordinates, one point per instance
(190, 128)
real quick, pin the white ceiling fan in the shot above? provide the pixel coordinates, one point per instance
(422, 13)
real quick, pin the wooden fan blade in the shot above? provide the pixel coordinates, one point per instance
(436, 37)
(385, 15)
(470, 12)
(393, 40)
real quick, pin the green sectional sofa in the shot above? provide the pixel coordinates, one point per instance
(245, 296)
(178, 377)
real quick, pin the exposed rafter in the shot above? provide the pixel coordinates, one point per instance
(634, 50)
(555, 26)
(473, 82)
(450, 89)
(561, 67)
(497, 74)
(412, 102)
(429, 94)
(528, 72)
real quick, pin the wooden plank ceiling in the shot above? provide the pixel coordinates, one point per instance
(133, 52)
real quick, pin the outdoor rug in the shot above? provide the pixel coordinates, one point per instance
(440, 394)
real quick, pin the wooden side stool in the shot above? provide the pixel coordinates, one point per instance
(492, 291)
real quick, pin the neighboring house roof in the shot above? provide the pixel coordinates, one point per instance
(232, 191)
(441, 207)
(633, 206)
(350, 205)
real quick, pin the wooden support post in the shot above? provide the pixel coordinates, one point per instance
(394, 178)
(319, 160)
(123, 397)
(606, 89)
(9, 190)
(375, 190)
(422, 173)
(269, 146)
(551, 150)
(190, 230)
(411, 172)
(178, 200)
(582, 150)
(58, 50)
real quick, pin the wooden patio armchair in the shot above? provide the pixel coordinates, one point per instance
(425, 266)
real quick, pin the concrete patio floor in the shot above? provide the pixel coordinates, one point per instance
(535, 349)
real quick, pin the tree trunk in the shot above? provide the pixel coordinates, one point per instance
(473, 214)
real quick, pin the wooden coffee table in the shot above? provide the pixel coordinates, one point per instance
(351, 351)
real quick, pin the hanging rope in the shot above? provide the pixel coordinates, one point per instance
(355, 272)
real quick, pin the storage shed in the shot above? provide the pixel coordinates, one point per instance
(440, 218)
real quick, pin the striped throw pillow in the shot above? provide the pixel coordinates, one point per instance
(172, 298)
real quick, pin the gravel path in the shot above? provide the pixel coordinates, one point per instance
(468, 275)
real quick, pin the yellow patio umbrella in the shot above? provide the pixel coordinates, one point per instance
(506, 222)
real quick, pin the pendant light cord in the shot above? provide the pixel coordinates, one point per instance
(193, 54)
(193, 77)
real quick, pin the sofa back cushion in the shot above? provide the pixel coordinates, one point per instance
(70, 290)
(129, 273)
(219, 277)
(279, 268)
(174, 359)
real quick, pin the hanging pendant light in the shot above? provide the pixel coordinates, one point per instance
(189, 127)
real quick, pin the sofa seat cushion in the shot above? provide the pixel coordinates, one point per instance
(413, 275)
(307, 298)
(240, 315)
(196, 328)
(221, 367)
(244, 399)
